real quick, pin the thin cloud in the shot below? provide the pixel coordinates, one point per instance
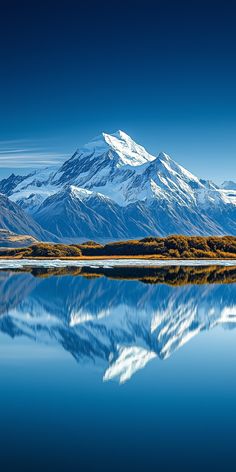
(30, 153)
(26, 142)
(27, 165)
(16, 151)
(15, 142)
(25, 154)
(35, 161)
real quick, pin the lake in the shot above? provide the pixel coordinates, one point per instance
(123, 368)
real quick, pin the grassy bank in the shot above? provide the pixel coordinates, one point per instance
(171, 247)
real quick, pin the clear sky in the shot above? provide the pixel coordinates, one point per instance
(162, 71)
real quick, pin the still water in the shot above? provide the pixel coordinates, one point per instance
(118, 370)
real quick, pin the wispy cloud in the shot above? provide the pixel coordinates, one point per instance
(27, 154)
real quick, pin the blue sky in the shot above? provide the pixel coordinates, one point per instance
(164, 72)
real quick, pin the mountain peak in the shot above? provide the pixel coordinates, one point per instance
(129, 152)
(123, 147)
(119, 134)
(163, 156)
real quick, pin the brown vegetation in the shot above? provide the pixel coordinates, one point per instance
(43, 250)
(171, 247)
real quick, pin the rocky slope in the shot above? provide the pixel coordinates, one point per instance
(13, 218)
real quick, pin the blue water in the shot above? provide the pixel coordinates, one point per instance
(102, 374)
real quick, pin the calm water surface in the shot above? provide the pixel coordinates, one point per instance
(103, 373)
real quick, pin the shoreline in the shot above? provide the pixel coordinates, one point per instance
(110, 262)
(151, 257)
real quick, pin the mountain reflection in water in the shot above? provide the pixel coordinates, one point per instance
(118, 318)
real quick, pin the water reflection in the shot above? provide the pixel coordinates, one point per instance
(121, 318)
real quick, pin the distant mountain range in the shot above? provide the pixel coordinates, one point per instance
(112, 188)
(229, 185)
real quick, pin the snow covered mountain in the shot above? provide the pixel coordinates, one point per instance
(113, 188)
(117, 325)
(78, 212)
(229, 185)
(7, 185)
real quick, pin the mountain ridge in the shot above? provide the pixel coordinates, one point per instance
(133, 194)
